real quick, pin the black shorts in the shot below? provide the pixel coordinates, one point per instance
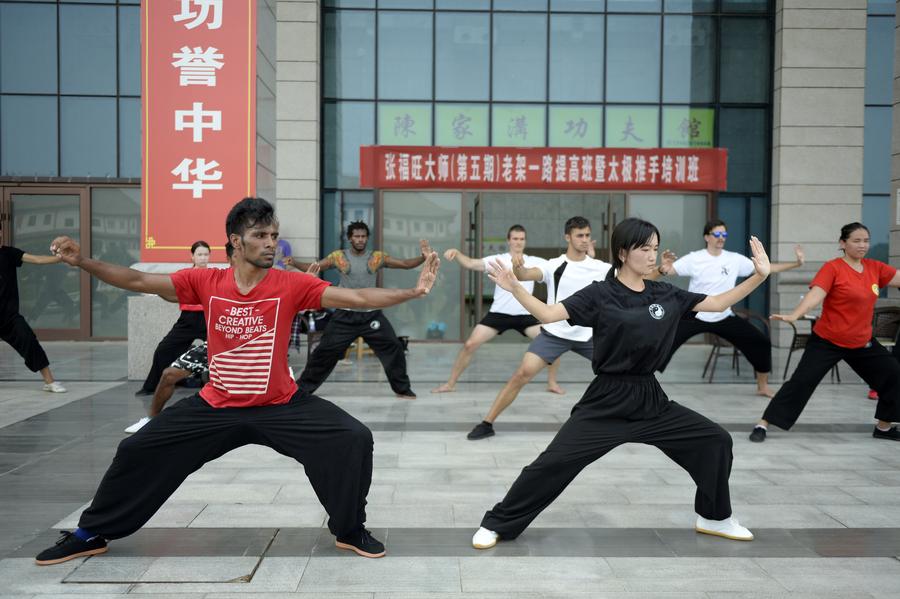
(504, 322)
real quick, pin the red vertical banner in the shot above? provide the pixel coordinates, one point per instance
(198, 99)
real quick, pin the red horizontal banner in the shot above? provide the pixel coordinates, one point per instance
(418, 167)
(199, 122)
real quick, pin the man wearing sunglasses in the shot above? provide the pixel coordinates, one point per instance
(715, 270)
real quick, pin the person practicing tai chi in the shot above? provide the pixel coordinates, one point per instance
(713, 270)
(250, 397)
(505, 313)
(189, 326)
(14, 329)
(847, 288)
(358, 268)
(633, 322)
(563, 276)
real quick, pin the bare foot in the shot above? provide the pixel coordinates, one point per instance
(445, 388)
(765, 391)
(555, 388)
(409, 396)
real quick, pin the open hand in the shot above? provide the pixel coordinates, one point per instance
(425, 247)
(518, 260)
(801, 257)
(502, 276)
(451, 254)
(313, 268)
(669, 257)
(783, 317)
(428, 275)
(67, 250)
(759, 257)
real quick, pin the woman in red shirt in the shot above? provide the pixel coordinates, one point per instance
(849, 287)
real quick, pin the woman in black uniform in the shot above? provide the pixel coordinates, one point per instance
(634, 322)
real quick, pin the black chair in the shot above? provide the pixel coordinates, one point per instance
(886, 325)
(799, 341)
(719, 344)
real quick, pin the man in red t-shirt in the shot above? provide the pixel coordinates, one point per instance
(250, 398)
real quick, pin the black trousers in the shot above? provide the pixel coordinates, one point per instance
(17, 332)
(334, 448)
(694, 442)
(873, 363)
(189, 326)
(749, 340)
(343, 328)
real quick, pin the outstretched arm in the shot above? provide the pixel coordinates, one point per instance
(812, 299)
(505, 279)
(895, 282)
(783, 266)
(312, 268)
(371, 297)
(390, 262)
(723, 301)
(32, 259)
(122, 277)
(464, 261)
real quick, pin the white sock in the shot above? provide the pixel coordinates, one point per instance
(884, 430)
(762, 426)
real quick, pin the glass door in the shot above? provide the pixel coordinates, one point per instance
(52, 298)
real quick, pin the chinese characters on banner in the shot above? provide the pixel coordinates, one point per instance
(198, 121)
(396, 167)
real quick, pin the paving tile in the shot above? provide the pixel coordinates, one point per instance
(864, 516)
(352, 574)
(200, 492)
(766, 542)
(832, 575)
(412, 515)
(851, 542)
(692, 574)
(110, 569)
(528, 574)
(21, 576)
(273, 575)
(260, 515)
(468, 515)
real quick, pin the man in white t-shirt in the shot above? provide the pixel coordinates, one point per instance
(506, 313)
(563, 276)
(715, 270)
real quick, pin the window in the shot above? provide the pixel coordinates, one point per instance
(520, 57)
(633, 51)
(404, 55)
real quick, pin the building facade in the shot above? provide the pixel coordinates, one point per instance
(800, 93)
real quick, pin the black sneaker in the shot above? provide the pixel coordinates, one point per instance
(892, 434)
(69, 547)
(482, 430)
(362, 542)
(758, 435)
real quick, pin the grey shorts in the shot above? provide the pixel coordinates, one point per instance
(193, 360)
(549, 347)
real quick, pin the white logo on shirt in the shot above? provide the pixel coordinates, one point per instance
(657, 311)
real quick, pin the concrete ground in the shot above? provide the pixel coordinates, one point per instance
(823, 499)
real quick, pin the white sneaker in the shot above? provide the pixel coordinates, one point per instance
(484, 538)
(729, 528)
(54, 387)
(138, 425)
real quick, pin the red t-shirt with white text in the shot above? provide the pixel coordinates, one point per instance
(847, 310)
(248, 334)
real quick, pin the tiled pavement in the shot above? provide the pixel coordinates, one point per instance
(823, 500)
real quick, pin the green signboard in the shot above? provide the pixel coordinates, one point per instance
(632, 127)
(685, 127)
(461, 125)
(404, 124)
(518, 125)
(576, 126)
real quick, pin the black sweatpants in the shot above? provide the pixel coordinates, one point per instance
(17, 332)
(749, 340)
(343, 328)
(334, 448)
(873, 363)
(189, 326)
(694, 442)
